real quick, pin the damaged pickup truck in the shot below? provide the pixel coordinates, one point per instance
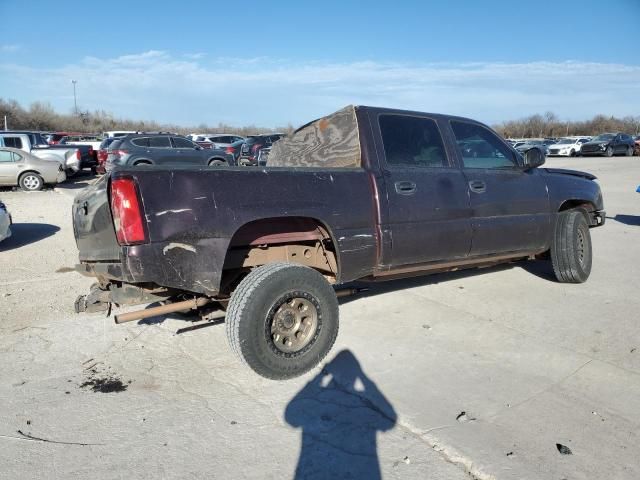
(362, 194)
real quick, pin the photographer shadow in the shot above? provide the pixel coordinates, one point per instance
(340, 412)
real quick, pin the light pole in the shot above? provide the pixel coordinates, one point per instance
(75, 103)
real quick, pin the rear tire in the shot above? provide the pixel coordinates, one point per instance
(571, 252)
(282, 320)
(217, 163)
(629, 152)
(30, 182)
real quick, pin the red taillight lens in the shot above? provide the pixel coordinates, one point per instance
(127, 212)
(230, 150)
(78, 155)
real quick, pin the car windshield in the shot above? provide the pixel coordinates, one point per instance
(565, 141)
(603, 137)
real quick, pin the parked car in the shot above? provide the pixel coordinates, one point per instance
(162, 149)
(5, 221)
(609, 144)
(70, 157)
(542, 144)
(272, 243)
(103, 153)
(567, 147)
(253, 144)
(636, 150)
(234, 149)
(30, 173)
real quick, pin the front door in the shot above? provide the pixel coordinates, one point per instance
(510, 205)
(428, 213)
(186, 151)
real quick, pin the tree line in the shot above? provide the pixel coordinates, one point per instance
(549, 125)
(40, 116)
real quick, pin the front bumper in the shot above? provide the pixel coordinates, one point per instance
(597, 218)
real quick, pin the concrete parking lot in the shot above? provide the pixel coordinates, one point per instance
(501, 373)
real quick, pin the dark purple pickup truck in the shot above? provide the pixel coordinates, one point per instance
(362, 194)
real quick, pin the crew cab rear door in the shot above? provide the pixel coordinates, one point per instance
(428, 214)
(510, 205)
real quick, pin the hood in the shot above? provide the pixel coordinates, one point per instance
(575, 173)
(598, 142)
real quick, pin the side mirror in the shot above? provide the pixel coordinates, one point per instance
(534, 157)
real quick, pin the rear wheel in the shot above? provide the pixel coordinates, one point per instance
(216, 162)
(282, 320)
(629, 151)
(571, 253)
(30, 182)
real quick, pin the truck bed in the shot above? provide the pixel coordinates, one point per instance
(193, 213)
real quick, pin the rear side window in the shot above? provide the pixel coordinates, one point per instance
(159, 142)
(141, 142)
(480, 148)
(181, 142)
(412, 142)
(13, 142)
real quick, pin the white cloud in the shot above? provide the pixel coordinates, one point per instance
(263, 91)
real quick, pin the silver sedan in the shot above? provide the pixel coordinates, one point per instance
(18, 167)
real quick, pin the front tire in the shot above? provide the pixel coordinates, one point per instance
(217, 163)
(571, 252)
(30, 182)
(609, 152)
(282, 320)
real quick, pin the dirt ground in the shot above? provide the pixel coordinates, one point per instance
(501, 373)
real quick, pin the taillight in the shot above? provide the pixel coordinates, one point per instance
(127, 212)
(230, 150)
(78, 155)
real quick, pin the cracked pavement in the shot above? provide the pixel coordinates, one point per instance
(530, 362)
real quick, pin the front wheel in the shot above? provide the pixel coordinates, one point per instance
(217, 163)
(282, 320)
(571, 253)
(609, 152)
(31, 182)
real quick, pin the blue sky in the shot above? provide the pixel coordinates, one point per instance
(271, 63)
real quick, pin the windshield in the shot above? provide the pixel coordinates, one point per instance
(604, 137)
(565, 141)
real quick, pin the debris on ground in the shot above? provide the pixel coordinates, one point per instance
(563, 449)
(104, 382)
(463, 417)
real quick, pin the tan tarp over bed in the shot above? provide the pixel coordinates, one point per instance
(329, 142)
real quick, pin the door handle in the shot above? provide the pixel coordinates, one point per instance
(405, 188)
(477, 186)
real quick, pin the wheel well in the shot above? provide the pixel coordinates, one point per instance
(577, 204)
(217, 158)
(142, 161)
(302, 240)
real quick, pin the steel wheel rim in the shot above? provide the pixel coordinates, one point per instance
(31, 182)
(581, 248)
(294, 325)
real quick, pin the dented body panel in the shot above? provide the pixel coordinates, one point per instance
(349, 212)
